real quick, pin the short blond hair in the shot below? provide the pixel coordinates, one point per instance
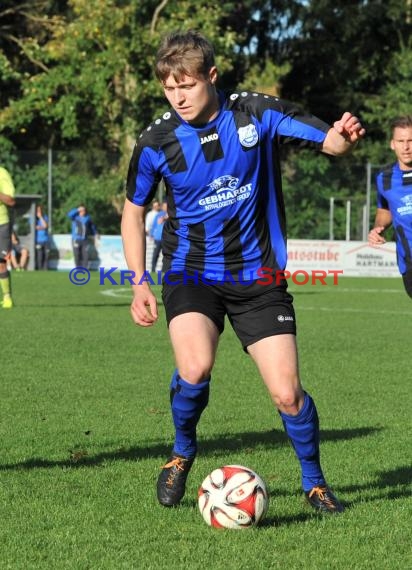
(184, 53)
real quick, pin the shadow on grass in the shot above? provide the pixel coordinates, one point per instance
(219, 446)
(391, 484)
(289, 520)
(397, 482)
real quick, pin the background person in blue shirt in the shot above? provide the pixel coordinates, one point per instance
(82, 229)
(42, 239)
(156, 233)
(394, 199)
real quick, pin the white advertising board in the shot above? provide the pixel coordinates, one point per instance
(352, 258)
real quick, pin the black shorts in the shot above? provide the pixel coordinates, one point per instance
(5, 241)
(254, 311)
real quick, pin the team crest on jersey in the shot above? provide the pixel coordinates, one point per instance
(248, 136)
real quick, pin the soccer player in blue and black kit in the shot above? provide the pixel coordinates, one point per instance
(394, 199)
(218, 155)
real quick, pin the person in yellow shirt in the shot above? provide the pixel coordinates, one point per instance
(7, 201)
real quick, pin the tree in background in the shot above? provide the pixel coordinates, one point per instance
(83, 80)
(394, 98)
(93, 84)
(76, 76)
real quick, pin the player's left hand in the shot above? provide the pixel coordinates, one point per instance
(350, 127)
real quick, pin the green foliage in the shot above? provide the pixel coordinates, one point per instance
(94, 179)
(265, 77)
(341, 52)
(95, 83)
(7, 153)
(79, 75)
(309, 181)
(82, 62)
(393, 99)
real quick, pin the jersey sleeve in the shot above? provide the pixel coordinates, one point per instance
(143, 176)
(381, 201)
(73, 213)
(294, 126)
(282, 120)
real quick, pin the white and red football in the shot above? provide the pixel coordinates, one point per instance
(233, 497)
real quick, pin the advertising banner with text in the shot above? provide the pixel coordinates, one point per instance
(353, 258)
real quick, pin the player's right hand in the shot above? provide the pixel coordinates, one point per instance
(375, 237)
(144, 306)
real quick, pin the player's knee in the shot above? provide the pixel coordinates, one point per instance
(289, 400)
(195, 372)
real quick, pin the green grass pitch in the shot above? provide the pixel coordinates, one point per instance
(85, 426)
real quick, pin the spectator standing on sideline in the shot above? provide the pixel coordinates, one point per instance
(7, 192)
(150, 216)
(219, 156)
(394, 199)
(156, 233)
(82, 229)
(42, 239)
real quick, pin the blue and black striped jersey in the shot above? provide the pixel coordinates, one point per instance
(223, 183)
(394, 193)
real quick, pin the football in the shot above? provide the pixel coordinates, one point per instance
(233, 497)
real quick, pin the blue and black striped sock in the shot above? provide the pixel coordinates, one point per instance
(188, 402)
(303, 431)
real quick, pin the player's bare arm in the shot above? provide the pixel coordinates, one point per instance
(8, 200)
(344, 135)
(144, 305)
(383, 220)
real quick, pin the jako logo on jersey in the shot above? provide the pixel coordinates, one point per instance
(248, 136)
(209, 138)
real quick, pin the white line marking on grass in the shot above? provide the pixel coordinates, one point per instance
(335, 289)
(120, 292)
(349, 310)
(359, 290)
(125, 293)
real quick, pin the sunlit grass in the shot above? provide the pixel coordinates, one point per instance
(85, 427)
